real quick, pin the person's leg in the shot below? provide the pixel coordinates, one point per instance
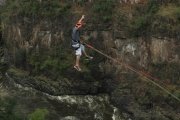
(84, 52)
(78, 56)
(77, 60)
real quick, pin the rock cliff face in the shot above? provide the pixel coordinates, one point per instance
(141, 34)
(2, 2)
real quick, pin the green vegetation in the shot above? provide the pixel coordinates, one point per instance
(34, 8)
(167, 72)
(170, 11)
(3, 67)
(18, 72)
(20, 57)
(7, 109)
(141, 24)
(3, 63)
(167, 20)
(54, 64)
(103, 10)
(154, 18)
(49, 63)
(81, 2)
(38, 114)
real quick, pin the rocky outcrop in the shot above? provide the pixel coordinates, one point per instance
(163, 50)
(2, 2)
(27, 101)
(74, 84)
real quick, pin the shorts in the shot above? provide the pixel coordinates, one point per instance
(80, 49)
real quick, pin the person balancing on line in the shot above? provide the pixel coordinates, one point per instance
(77, 44)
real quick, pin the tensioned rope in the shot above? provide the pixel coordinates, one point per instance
(148, 77)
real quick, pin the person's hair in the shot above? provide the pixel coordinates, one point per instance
(79, 25)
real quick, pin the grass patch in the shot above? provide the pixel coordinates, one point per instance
(170, 11)
(38, 114)
(18, 72)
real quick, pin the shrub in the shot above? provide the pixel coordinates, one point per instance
(170, 11)
(103, 9)
(167, 20)
(7, 109)
(38, 114)
(49, 63)
(45, 8)
(20, 57)
(81, 2)
(152, 7)
(141, 24)
(54, 64)
(167, 72)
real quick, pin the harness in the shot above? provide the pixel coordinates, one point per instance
(75, 43)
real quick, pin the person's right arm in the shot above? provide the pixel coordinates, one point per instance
(82, 18)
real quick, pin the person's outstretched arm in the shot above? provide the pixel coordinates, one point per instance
(82, 18)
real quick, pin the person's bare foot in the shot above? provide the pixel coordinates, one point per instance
(77, 68)
(89, 58)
